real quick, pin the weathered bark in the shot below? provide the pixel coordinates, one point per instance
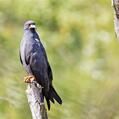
(36, 101)
(115, 4)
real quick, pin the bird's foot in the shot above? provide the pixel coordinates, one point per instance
(29, 79)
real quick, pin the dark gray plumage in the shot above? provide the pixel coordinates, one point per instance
(34, 59)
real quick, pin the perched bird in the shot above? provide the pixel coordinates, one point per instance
(34, 59)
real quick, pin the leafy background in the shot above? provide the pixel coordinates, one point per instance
(84, 54)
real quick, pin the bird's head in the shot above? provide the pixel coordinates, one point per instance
(29, 25)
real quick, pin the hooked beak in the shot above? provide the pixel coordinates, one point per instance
(32, 26)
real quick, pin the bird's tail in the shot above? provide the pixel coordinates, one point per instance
(51, 96)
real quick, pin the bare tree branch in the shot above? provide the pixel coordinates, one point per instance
(115, 4)
(36, 101)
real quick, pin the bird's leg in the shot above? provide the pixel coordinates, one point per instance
(29, 79)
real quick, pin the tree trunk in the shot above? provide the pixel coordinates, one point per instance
(36, 101)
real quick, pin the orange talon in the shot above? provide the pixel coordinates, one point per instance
(29, 79)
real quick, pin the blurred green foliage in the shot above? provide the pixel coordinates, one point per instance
(82, 49)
